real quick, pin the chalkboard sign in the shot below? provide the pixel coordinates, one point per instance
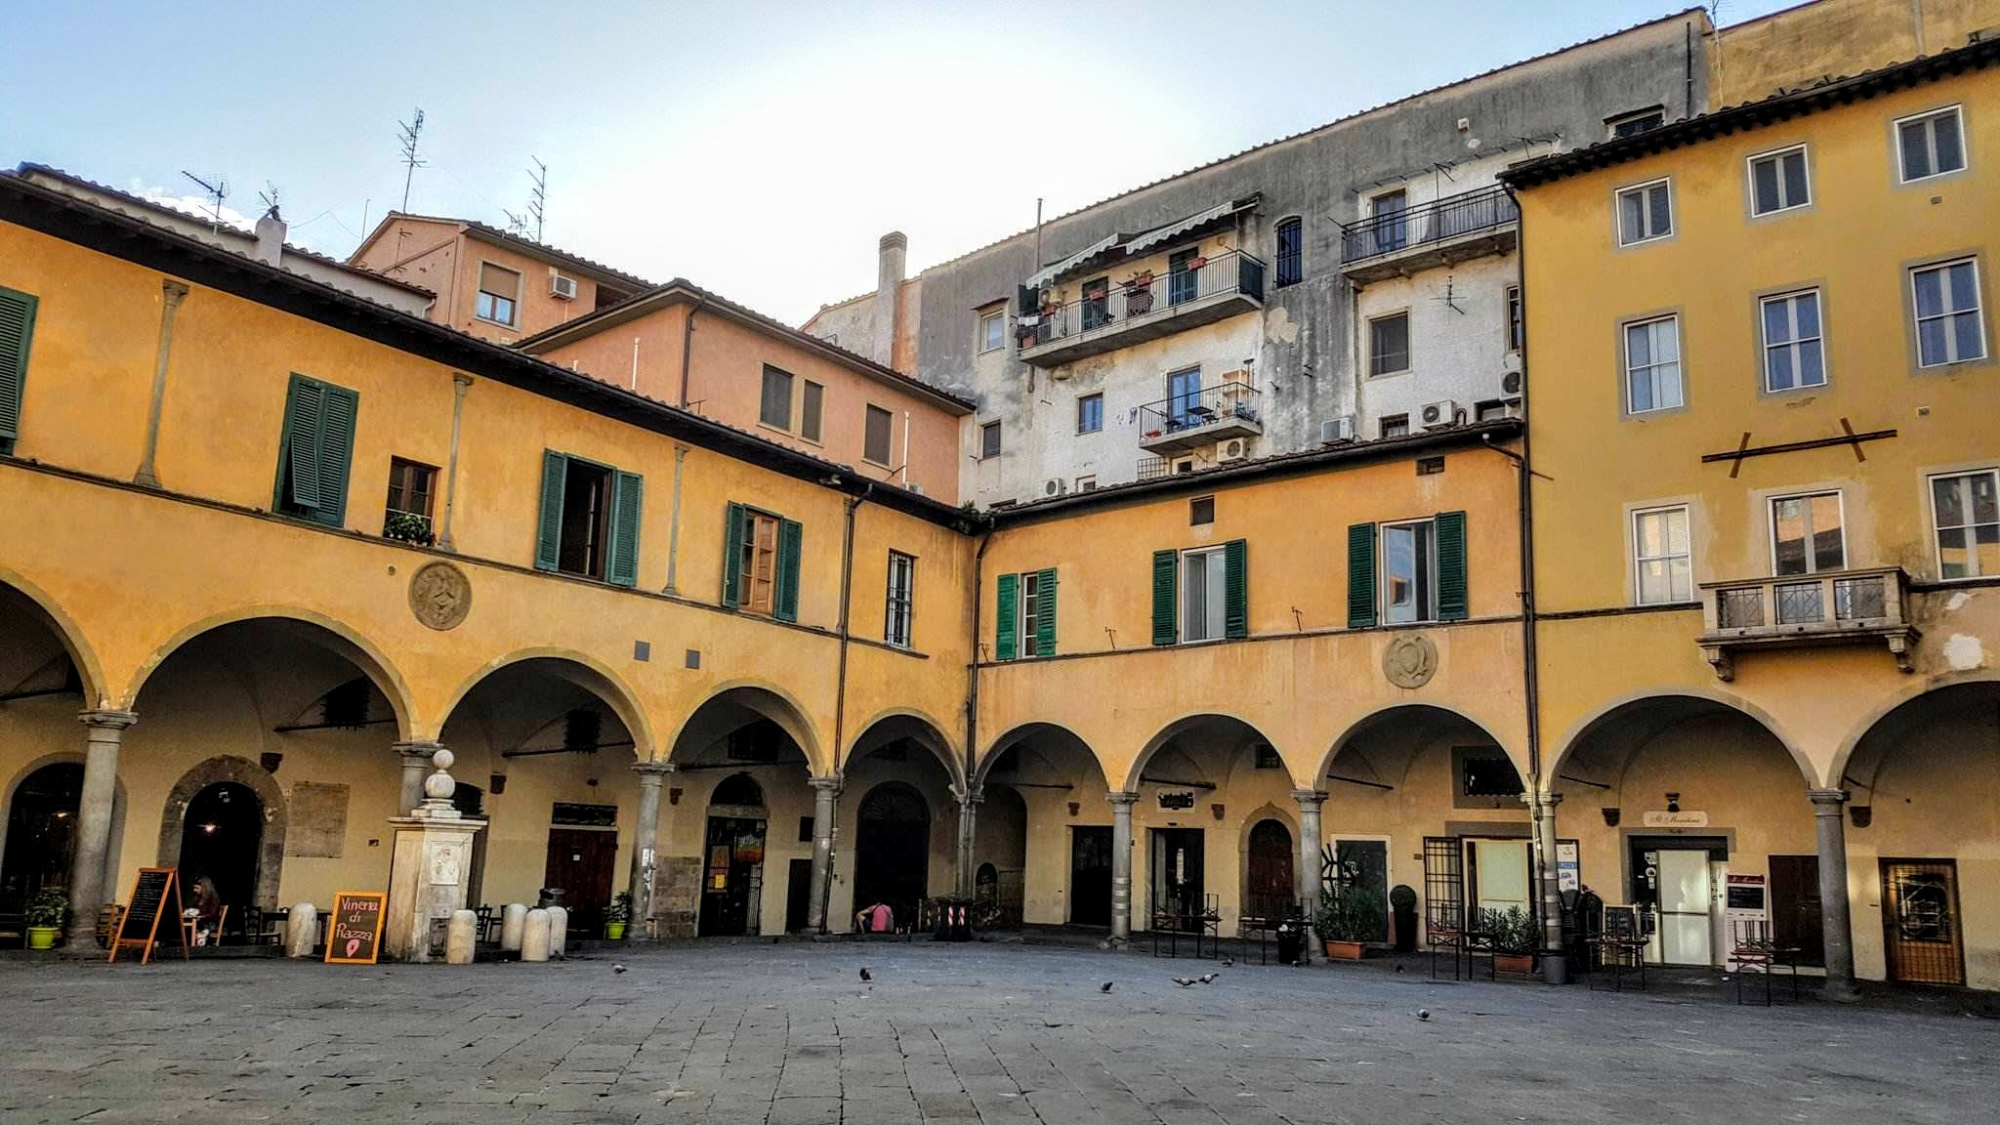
(155, 903)
(354, 936)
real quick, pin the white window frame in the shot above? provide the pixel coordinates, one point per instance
(1794, 344)
(1214, 560)
(1426, 581)
(1896, 141)
(1640, 559)
(986, 341)
(901, 610)
(1087, 483)
(1778, 154)
(1028, 588)
(1938, 529)
(1978, 311)
(1626, 369)
(1812, 564)
(513, 300)
(1645, 193)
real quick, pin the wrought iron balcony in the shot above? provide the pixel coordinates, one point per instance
(1833, 607)
(1199, 418)
(1448, 230)
(1118, 316)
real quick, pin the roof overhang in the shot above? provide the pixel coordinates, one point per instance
(1119, 247)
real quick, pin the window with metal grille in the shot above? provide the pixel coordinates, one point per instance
(901, 599)
(1291, 253)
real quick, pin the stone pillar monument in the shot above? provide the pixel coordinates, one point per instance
(427, 874)
(1121, 866)
(1311, 840)
(825, 791)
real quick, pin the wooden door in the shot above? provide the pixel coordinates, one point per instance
(1795, 905)
(582, 862)
(1921, 922)
(1269, 891)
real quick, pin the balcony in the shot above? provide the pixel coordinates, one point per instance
(1439, 233)
(1122, 315)
(1836, 607)
(1199, 418)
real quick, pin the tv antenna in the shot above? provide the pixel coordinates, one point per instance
(411, 130)
(217, 191)
(269, 198)
(538, 199)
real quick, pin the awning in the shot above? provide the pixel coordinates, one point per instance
(1119, 246)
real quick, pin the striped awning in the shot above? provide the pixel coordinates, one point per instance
(1117, 246)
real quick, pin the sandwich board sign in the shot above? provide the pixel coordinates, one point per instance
(155, 902)
(354, 934)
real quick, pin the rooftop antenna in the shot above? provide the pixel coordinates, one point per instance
(538, 199)
(269, 198)
(219, 191)
(412, 129)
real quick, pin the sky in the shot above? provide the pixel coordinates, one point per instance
(759, 149)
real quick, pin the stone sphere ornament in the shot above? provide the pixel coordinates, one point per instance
(440, 786)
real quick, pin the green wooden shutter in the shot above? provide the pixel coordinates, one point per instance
(791, 536)
(336, 451)
(1045, 613)
(627, 504)
(1236, 588)
(733, 521)
(548, 535)
(1006, 617)
(1453, 597)
(1166, 595)
(17, 328)
(1360, 575)
(304, 402)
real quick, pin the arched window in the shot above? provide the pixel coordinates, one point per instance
(738, 789)
(1291, 252)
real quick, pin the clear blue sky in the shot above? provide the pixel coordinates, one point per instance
(756, 148)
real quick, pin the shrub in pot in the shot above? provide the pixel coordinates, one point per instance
(46, 911)
(617, 915)
(1349, 918)
(1515, 937)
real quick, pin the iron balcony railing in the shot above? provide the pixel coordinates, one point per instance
(1114, 306)
(1439, 221)
(1206, 409)
(1805, 609)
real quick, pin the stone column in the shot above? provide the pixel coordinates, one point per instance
(645, 849)
(825, 791)
(105, 730)
(1121, 865)
(1828, 810)
(416, 758)
(1555, 960)
(1311, 840)
(968, 834)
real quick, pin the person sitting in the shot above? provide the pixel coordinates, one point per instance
(876, 919)
(207, 911)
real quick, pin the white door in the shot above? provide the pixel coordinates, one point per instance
(1686, 898)
(1503, 874)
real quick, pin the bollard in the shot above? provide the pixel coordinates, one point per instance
(558, 931)
(535, 936)
(301, 930)
(513, 920)
(461, 938)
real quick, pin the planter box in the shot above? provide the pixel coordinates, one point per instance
(1519, 963)
(1345, 950)
(43, 937)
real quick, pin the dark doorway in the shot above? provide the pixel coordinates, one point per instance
(1089, 875)
(221, 838)
(1795, 918)
(1364, 865)
(1920, 921)
(732, 886)
(581, 862)
(41, 834)
(1179, 893)
(892, 850)
(1267, 893)
(798, 895)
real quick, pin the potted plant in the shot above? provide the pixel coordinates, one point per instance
(46, 911)
(617, 915)
(1348, 919)
(1139, 293)
(1514, 938)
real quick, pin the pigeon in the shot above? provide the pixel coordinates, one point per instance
(866, 975)
(1227, 962)
(1105, 987)
(617, 968)
(1423, 1013)
(1206, 978)
(1183, 981)
(1399, 968)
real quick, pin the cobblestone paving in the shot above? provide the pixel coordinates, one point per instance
(789, 1035)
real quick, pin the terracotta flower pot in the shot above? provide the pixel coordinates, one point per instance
(1344, 950)
(1521, 963)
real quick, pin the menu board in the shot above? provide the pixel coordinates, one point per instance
(155, 901)
(354, 935)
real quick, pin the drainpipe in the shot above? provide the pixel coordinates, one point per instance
(687, 347)
(972, 683)
(846, 600)
(635, 363)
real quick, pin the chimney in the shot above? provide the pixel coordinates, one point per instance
(888, 280)
(270, 238)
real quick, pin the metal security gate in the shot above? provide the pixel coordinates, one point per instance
(1444, 884)
(1920, 921)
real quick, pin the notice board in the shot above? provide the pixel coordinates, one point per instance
(354, 934)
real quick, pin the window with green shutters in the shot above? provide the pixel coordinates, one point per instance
(1201, 593)
(1024, 617)
(17, 329)
(590, 520)
(315, 451)
(1361, 576)
(1408, 572)
(760, 562)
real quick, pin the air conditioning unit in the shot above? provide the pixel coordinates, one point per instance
(1337, 429)
(1055, 487)
(913, 486)
(1235, 449)
(1510, 383)
(1438, 415)
(562, 288)
(1183, 465)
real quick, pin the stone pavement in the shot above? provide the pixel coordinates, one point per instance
(789, 1035)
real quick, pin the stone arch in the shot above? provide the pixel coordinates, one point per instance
(1852, 741)
(1180, 726)
(1024, 732)
(356, 648)
(71, 636)
(768, 701)
(250, 775)
(75, 758)
(581, 669)
(1382, 714)
(917, 726)
(1290, 822)
(1584, 727)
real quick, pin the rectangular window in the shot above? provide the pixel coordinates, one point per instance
(1024, 622)
(759, 552)
(902, 599)
(17, 330)
(1201, 510)
(1183, 279)
(1409, 572)
(1390, 227)
(1517, 330)
(1645, 120)
(1778, 181)
(590, 520)
(1389, 344)
(1291, 253)
(407, 513)
(989, 440)
(1662, 559)
(877, 430)
(1396, 425)
(1031, 613)
(1089, 413)
(1806, 534)
(761, 559)
(1204, 593)
(499, 289)
(776, 408)
(812, 398)
(1949, 328)
(1653, 365)
(315, 451)
(993, 330)
(1096, 303)
(1645, 212)
(1965, 507)
(1793, 356)
(1086, 483)
(1184, 404)
(1931, 144)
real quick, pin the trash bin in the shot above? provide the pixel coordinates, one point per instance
(1291, 943)
(1403, 909)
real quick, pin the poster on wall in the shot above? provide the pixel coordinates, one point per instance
(354, 935)
(1569, 866)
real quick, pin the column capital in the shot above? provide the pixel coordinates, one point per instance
(1535, 800)
(107, 719)
(418, 748)
(1309, 796)
(829, 785)
(972, 796)
(461, 380)
(1827, 802)
(652, 773)
(173, 291)
(1123, 798)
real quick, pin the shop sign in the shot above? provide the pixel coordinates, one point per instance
(1660, 818)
